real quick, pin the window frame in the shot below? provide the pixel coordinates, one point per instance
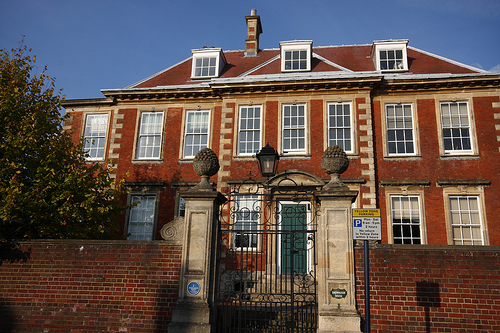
(414, 131)
(105, 137)
(180, 206)
(208, 53)
(296, 46)
(256, 222)
(130, 201)
(463, 192)
(292, 152)
(390, 45)
(471, 127)
(405, 191)
(352, 125)
(404, 214)
(139, 136)
(185, 132)
(239, 133)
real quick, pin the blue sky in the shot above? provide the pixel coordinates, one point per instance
(91, 45)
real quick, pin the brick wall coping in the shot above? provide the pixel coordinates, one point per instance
(417, 247)
(359, 246)
(75, 242)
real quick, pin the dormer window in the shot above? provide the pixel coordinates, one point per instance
(207, 63)
(296, 56)
(390, 55)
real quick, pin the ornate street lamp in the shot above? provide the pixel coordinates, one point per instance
(268, 161)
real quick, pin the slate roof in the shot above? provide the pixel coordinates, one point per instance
(351, 60)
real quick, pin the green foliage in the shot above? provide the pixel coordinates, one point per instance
(47, 190)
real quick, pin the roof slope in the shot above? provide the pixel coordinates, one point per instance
(348, 59)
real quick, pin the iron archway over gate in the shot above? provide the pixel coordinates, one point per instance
(266, 264)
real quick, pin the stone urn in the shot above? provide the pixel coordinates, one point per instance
(334, 161)
(205, 164)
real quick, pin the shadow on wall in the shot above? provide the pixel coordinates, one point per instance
(10, 252)
(7, 317)
(428, 297)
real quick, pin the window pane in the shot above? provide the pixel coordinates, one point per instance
(405, 212)
(205, 67)
(150, 133)
(196, 132)
(339, 126)
(141, 218)
(391, 59)
(247, 212)
(456, 129)
(294, 128)
(295, 60)
(399, 120)
(249, 130)
(95, 136)
(466, 220)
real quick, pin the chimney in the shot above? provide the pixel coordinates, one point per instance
(254, 29)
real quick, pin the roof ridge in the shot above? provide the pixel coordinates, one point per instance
(333, 46)
(314, 47)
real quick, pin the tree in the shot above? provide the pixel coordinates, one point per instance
(47, 189)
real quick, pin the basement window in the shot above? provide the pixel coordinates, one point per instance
(207, 63)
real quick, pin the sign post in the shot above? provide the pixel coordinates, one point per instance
(367, 226)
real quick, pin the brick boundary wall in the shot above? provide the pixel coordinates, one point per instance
(125, 286)
(89, 286)
(422, 288)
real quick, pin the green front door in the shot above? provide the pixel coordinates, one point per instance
(293, 233)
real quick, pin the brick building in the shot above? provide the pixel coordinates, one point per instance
(422, 132)
(422, 135)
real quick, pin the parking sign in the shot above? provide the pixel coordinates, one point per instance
(367, 224)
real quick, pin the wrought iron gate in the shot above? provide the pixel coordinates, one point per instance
(266, 278)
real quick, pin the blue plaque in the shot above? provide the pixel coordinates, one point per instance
(193, 288)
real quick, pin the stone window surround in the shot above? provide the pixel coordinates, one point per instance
(416, 136)
(306, 152)
(473, 137)
(144, 189)
(464, 188)
(354, 137)
(408, 189)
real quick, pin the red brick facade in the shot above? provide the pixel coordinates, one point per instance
(429, 171)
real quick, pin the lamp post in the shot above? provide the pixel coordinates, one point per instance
(268, 161)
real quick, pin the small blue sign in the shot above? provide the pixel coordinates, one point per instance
(193, 288)
(358, 223)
